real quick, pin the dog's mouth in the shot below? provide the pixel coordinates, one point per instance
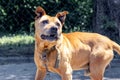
(50, 37)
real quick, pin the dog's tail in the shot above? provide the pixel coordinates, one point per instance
(116, 47)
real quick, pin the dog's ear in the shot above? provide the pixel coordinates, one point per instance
(61, 16)
(39, 12)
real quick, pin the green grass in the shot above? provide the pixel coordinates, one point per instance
(16, 40)
(16, 45)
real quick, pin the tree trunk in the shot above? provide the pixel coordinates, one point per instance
(98, 13)
(114, 6)
(106, 19)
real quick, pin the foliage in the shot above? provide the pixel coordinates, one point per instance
(18, 15)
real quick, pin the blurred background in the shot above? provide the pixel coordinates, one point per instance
(17, 32)
(17, 21)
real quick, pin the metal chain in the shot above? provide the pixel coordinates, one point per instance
(48, 72)
(44, 58)
(45, 64)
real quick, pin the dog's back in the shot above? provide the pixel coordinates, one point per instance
(92, 39)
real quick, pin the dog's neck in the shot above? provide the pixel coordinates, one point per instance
(42, 44)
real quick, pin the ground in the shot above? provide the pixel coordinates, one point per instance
(26, 71)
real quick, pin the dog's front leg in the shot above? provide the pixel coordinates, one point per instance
(40, 74)
(66, 73)
(67, 77)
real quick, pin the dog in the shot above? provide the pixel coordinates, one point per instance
(73, 51)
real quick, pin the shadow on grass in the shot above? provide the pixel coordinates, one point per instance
(13, 50)
(16, 45)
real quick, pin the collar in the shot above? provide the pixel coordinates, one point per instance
(46, 52)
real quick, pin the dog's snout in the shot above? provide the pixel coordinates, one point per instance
(53, 29)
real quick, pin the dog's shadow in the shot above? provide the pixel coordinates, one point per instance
(77, 75)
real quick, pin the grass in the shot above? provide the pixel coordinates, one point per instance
(16, 40)
(16, 45)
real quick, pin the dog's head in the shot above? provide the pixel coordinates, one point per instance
(49, 27)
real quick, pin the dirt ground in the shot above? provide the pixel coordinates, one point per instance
(26, 71)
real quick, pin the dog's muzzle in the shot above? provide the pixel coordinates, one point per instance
(52, 35)
(53, 30)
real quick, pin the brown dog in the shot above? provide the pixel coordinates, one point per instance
(77, 50)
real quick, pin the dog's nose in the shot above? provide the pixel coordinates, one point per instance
(53, 29)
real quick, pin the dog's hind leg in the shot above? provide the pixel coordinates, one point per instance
(99, 62)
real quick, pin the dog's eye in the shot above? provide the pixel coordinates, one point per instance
(45, 22)
(58, 24)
